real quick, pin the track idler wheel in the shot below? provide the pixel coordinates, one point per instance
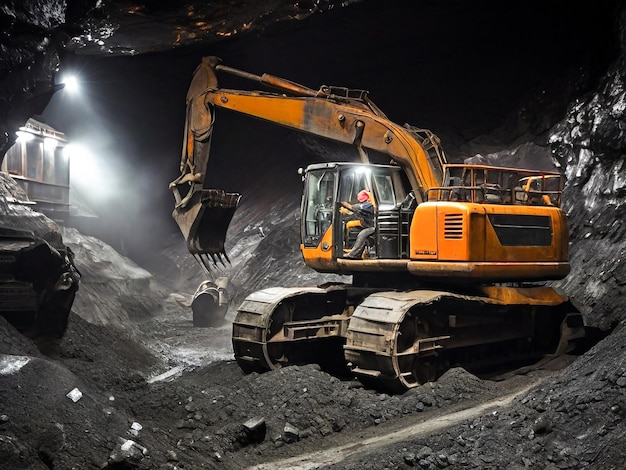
(252, 342)
(259, 341)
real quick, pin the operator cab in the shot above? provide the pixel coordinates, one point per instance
(328, 185)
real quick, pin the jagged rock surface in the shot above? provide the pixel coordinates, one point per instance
(590, 146)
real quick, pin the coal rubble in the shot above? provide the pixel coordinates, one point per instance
(211, 415)
(132, 414)
(572, 420)
(132, 384)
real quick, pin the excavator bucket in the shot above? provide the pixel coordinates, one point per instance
(203, 215)
(204, 220)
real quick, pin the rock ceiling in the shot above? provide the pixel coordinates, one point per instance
(121, 27)
(37, 33)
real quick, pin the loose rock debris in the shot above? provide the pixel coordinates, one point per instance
(210, 415)
(213, 416)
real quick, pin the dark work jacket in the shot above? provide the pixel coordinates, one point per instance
(365, 213)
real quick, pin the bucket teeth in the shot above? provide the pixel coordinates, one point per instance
(208, 261)
(206, 268)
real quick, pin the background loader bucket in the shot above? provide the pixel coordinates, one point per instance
(204, 220)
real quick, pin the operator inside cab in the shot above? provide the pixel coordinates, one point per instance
(363, 213)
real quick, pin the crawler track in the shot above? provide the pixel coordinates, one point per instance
(398, 340)
(260, 340)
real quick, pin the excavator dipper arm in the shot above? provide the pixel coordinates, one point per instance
(203, 215)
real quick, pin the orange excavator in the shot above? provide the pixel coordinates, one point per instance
(453, 274)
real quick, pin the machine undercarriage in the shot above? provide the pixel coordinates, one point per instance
(393, 340)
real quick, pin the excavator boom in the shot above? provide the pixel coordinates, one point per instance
(336, 113)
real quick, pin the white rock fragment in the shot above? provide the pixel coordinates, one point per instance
(74, 395)
(135, 428)
(290, 433)
(167, 375)
(130, 446)
(10, 364)
(127, 450)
